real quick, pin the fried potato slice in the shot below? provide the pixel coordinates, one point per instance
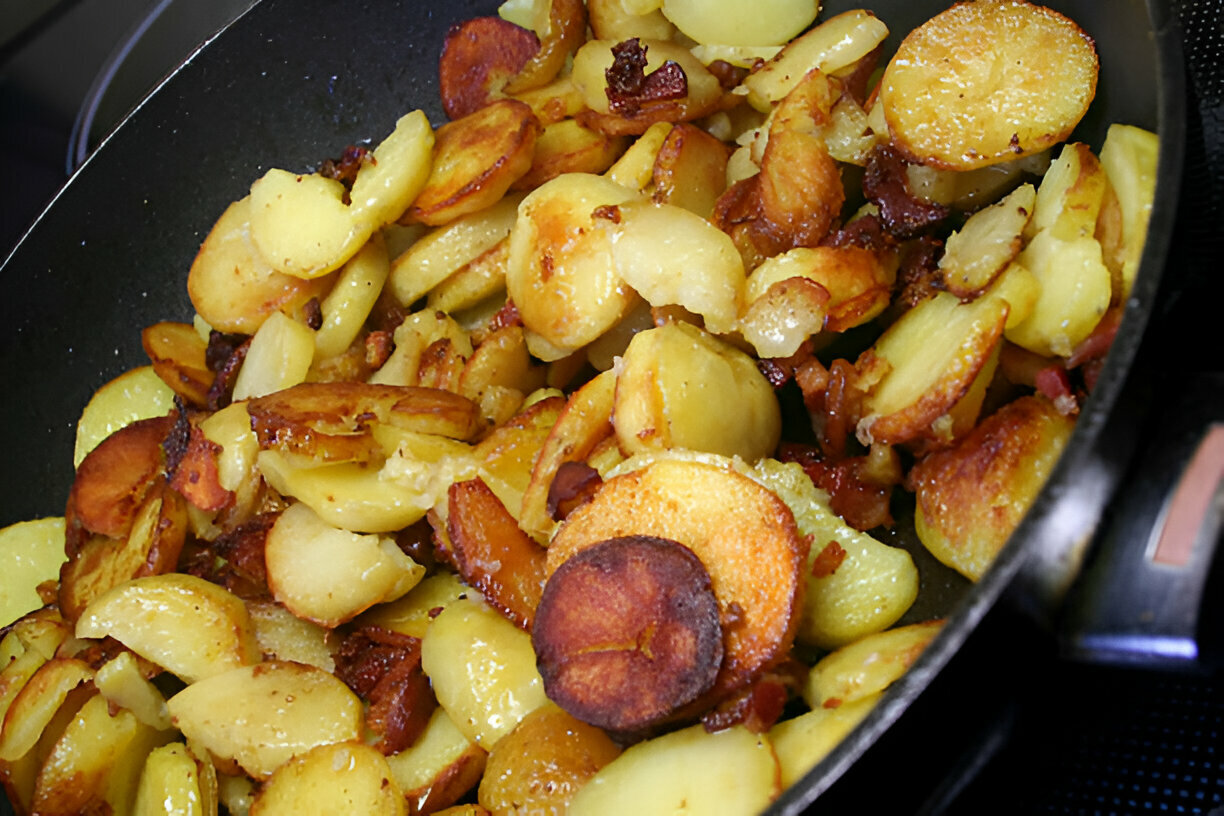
(479, 57)
(439, 768)
(979, 252)
(36, 703)
(232, 287)
(561, 275)
(561, 28)
(971, 496)
(628, 632)
(985, 82)
(177, 353)
(258, 717)
(1075, 290)
(112, 480)
(138, 393)
(805, 740)
(620, 20)
(1129, 156)
(476, 159)
(690, 169)
(867, 666)
(789, 312)
(170, 783)
(568, 146)
(31, 553)
(924, 363)
(342, 777)
(744, 535)
(278, 357)
(730, 23)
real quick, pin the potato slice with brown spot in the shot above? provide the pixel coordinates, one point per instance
(971, 496)
(112, 480)
(478, 58)
(979, 252)
(690, 169)
(178, 355)
(342, 777)
(560, 34)
(476, 159)
(628, 632)
(744, 535)
(988, 81)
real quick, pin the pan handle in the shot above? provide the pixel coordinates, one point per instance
(1142, 598)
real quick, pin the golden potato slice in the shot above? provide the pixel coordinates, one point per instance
(768, 23)
(411, 614)
(479, 57)
(690, 169)
(693, 770)
(439, 768)
(977, 253)
(1071, 193)
(924, 363)
(339, 777)
(34, 706)
(258, 717)
(476, 159)
(985, 82)
(501, 360)
(393, 174)
(178, 355)
(31, 553)
(232, 287)
(1075, 292)
(619, 20)
(327, 575)
(561, 275)
(188, 626)
(111, 482)
(136, 394)
(680, 387)
(348, 304)
(561, 28)
(121, 681)
(830, 46)
(553, 102)
(482, 280)
(568, 146)
(867, 666)
(170, 784)
(635, 168)
(744, 535)
(543, 762)
(283, 636)
(1129, 156)
(278, 357)
(803, 741)
(789, 312)
(508, 454)
(971, 496)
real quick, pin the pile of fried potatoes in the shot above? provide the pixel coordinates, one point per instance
(469, 488)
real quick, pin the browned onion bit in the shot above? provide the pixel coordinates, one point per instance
(629, 86)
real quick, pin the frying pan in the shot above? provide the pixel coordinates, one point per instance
(294, 81)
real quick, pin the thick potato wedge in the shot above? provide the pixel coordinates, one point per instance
(476, 159)
(744, 535)
(985, 82)
(186, 625)
(258, 717)
(971, 496)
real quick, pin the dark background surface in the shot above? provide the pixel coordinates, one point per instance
(1059, 737)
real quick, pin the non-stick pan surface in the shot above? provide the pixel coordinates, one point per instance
(295, 81)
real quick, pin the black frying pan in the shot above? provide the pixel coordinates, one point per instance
(295, 81)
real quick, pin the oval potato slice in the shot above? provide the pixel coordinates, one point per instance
(988, 81)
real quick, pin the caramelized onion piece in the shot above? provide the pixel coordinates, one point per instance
(628, 632)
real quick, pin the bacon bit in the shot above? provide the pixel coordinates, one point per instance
(759, 706)
(313, 314)
(221, 347)
(344, 169)
(573, 486)
(378, 348)
(903, 214)
(196, 476)
(384, 667)
(1096, 345)
(813, 380)
(780, 370)
(222, 391)
(828, 560)
(608, 212)
(842, 407)
(174, 446)
(729, 76)
(630, 87)
(417, 542)
(243, 552)
(1055, 384)
(918, 276)
(866, 232)
(857, 493)
(832, 702)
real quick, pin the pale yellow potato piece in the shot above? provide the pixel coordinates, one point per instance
(672, 256)
(801, 742)
(121, 682)
(686, 771)
(445, 250)
(771, 22)
(483, 670)
(870, 589)
(790, 311)
(400, 166)
(441, 766)
(283, 636)
(30, 553)
(480, 281)
(188, 626)
(620, 20)
(328, 575)
(37, 702)
(635, 168)
(1070, 196)
(867, 666)
(987, 81)
(836, 43)
(1129, 157)
(170, 784)
(979, 252)
(680, 387)
(351, 299)
(135, 394)
(97, 761)
(1075, 293)
(231, 429)
(561, 274)
(924, 363)
(235, 793)
(260, 716)
(1020, 288)
(279, 357)
(230, 284)
(410, 615)
(331, 779)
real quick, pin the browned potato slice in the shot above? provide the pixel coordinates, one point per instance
(690, 169)
(151, 548)
(501, 361)
(542, 763)
(744, 535)
(112, 480)
(479, 56)
(474, 283)
(36, 704)
(978, 253)
(628, 632)
(560, 33)
(230, 284)
(476, 159)
(178, 355)
(924, 363)
(569, 146)
(984, 82)
(508, 454)
(585, 422)
(971, 496)
(492, 554)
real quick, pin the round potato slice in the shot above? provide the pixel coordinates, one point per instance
(744, 535)
(986, 82)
